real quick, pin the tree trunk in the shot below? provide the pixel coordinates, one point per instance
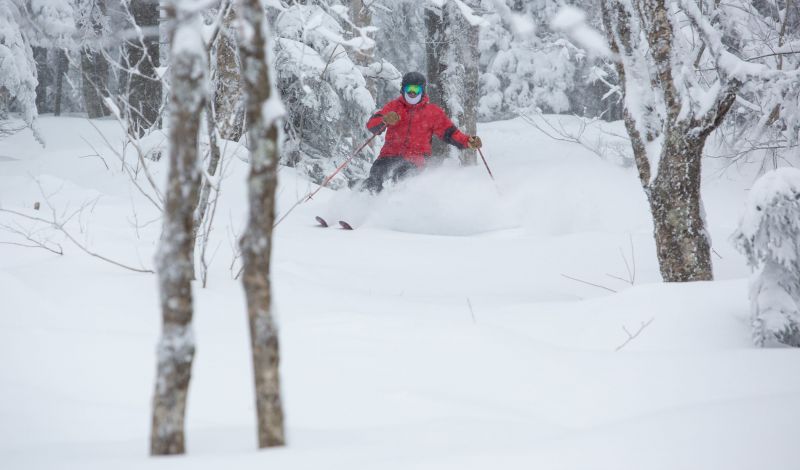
(435, 53)
(175, 258)
(42, 78)
(144, 86)
(61, 69)
(205, 191)
(256, 243)
(228, 89)
(361, 16)
(462, 76)
(682, 243)
(94, 68)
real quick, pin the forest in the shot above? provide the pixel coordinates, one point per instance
(600, 202)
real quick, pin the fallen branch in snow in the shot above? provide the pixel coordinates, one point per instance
(589, 283)
(632, 336)
(471, 311)
(59, 225)
(29, 235)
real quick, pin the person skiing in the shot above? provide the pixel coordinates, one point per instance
(410, 121)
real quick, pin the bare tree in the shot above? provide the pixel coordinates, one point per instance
(667, 124)
(175, 258)
(264, 109)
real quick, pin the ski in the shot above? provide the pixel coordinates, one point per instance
(322, 222)
(345, 225)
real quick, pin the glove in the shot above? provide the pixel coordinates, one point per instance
(391, 119)
(474, 142)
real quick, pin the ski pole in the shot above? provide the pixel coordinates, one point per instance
(325, 182)
(486, 164)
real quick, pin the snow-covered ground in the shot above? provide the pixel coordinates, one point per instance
(444, 333)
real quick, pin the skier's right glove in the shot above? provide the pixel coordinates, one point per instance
(474, 142)
(391, 119)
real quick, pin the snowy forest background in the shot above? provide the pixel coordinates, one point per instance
(173, 100)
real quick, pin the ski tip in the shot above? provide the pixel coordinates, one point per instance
(321, 221)
(345, 225)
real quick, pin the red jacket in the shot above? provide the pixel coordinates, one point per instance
(410, 138)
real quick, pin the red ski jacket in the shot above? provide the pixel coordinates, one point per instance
(410, 138)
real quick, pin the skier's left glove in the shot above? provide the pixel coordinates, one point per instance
(474, 142)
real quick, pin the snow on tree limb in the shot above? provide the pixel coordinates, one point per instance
(572, 22)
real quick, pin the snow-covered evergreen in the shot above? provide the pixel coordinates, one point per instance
(769, 236)
(324, 91)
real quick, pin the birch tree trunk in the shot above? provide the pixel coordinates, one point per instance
(263, 111)
(175, 258)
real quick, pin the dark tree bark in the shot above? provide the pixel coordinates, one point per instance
(256, 243)
(175, 258)
(142, 57)
(94, 67)
(61, 68)
(43, 79)
(228, 103)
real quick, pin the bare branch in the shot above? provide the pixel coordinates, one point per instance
(28, 235)
(588, 283)
(632, 336)
(60, 227)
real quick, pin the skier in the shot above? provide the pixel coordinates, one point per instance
(411, 121)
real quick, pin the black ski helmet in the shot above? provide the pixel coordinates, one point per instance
(414, 78)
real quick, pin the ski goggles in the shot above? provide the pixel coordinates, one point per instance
(413, 89)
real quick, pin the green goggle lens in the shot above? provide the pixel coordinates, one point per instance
(415, 89)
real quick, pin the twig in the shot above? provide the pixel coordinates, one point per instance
(29, 236)
(630, 267)
(60, 227)
(631, 337)
(589, 283)
(471, 311)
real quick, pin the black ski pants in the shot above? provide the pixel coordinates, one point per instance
(394, 168)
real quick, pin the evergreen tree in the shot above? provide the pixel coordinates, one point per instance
(769, 236)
